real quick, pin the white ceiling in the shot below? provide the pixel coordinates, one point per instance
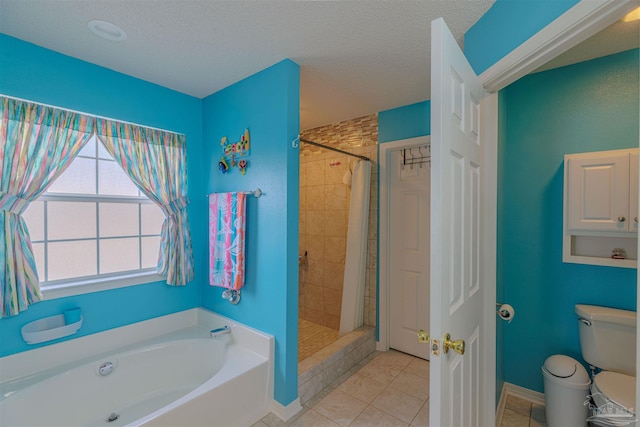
(357, 57)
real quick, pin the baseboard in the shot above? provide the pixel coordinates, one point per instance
(534, 397)
(501, 405)
(286, 412)
(508, 389)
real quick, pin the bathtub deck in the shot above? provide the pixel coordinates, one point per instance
(247, 370)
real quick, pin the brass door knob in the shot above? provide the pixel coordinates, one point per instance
(423, 336)
(621, 219)
(456, 345)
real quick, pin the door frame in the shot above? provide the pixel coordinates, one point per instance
(384, 318)
(580, 22)
(571, 28)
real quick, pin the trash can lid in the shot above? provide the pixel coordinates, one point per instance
(566, 367)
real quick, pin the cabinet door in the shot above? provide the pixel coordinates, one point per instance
(633, 192)
(599, 193)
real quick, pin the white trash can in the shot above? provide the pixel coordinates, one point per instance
(566, 388)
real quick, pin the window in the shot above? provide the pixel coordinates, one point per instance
(93, 225)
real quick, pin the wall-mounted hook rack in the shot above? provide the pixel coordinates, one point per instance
(414, 156)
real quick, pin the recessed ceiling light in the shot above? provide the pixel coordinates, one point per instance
(632, 16)
(107, 30)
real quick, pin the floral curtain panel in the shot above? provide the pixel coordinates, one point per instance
(156, 162)
(37, 143)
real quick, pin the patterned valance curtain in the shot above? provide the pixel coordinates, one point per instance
(37, 143)
(156, 162)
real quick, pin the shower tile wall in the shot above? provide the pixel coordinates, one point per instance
(324, 216)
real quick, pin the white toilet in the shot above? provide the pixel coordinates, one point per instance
(608, 342)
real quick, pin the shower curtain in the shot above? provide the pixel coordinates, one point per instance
(352, 314)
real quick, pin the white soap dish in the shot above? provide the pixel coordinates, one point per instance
(49, 328)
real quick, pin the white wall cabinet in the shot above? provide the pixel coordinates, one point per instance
(601, 207)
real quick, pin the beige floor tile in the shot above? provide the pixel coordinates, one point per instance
(340, 408)
(272, 420)
(372, 417)
(393, 359)
(318, 397)
(511, 418)
(422, 419)
(313, 419)
(419, 367)
(411, 384)
(259, 424)
(362, 388)
(399, 404)
(536, 423)
(380, 373)
(518, 405)
(538, 413)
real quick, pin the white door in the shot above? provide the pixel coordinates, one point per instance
(409, 246)
(461, 394)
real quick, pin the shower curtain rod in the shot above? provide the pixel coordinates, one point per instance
(306, 141)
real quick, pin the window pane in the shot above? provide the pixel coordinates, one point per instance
(103, 153)
(71, 220)
(79, 178)
(89, 150)
(119, 255)
(72, 259)
(113, 181)
(119, 219)
(38, 254)
(150, 246)
(152, 218)
(34, 217)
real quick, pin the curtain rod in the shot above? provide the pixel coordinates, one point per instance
(306, 141)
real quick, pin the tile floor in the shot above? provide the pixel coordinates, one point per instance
(313, 338)
(522, 413)
(386, 389)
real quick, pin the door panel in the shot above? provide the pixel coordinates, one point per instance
(599, 192)
(457, 394)
(409, 254)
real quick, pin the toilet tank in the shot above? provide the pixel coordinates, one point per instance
(608, 338)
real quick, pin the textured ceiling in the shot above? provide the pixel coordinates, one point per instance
(356, 57)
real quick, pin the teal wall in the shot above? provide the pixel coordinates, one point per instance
(405, 122)
(591, 106)
(41, 75)
(506, 25)
(268, 104)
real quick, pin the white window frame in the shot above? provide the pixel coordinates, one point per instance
(100, 282)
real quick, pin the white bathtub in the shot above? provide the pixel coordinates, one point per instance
(180, 378)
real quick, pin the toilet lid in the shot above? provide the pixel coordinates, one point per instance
(619, 388)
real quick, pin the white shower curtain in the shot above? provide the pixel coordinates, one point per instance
(355, 270)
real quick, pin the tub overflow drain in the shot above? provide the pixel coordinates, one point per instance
(113, 417)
